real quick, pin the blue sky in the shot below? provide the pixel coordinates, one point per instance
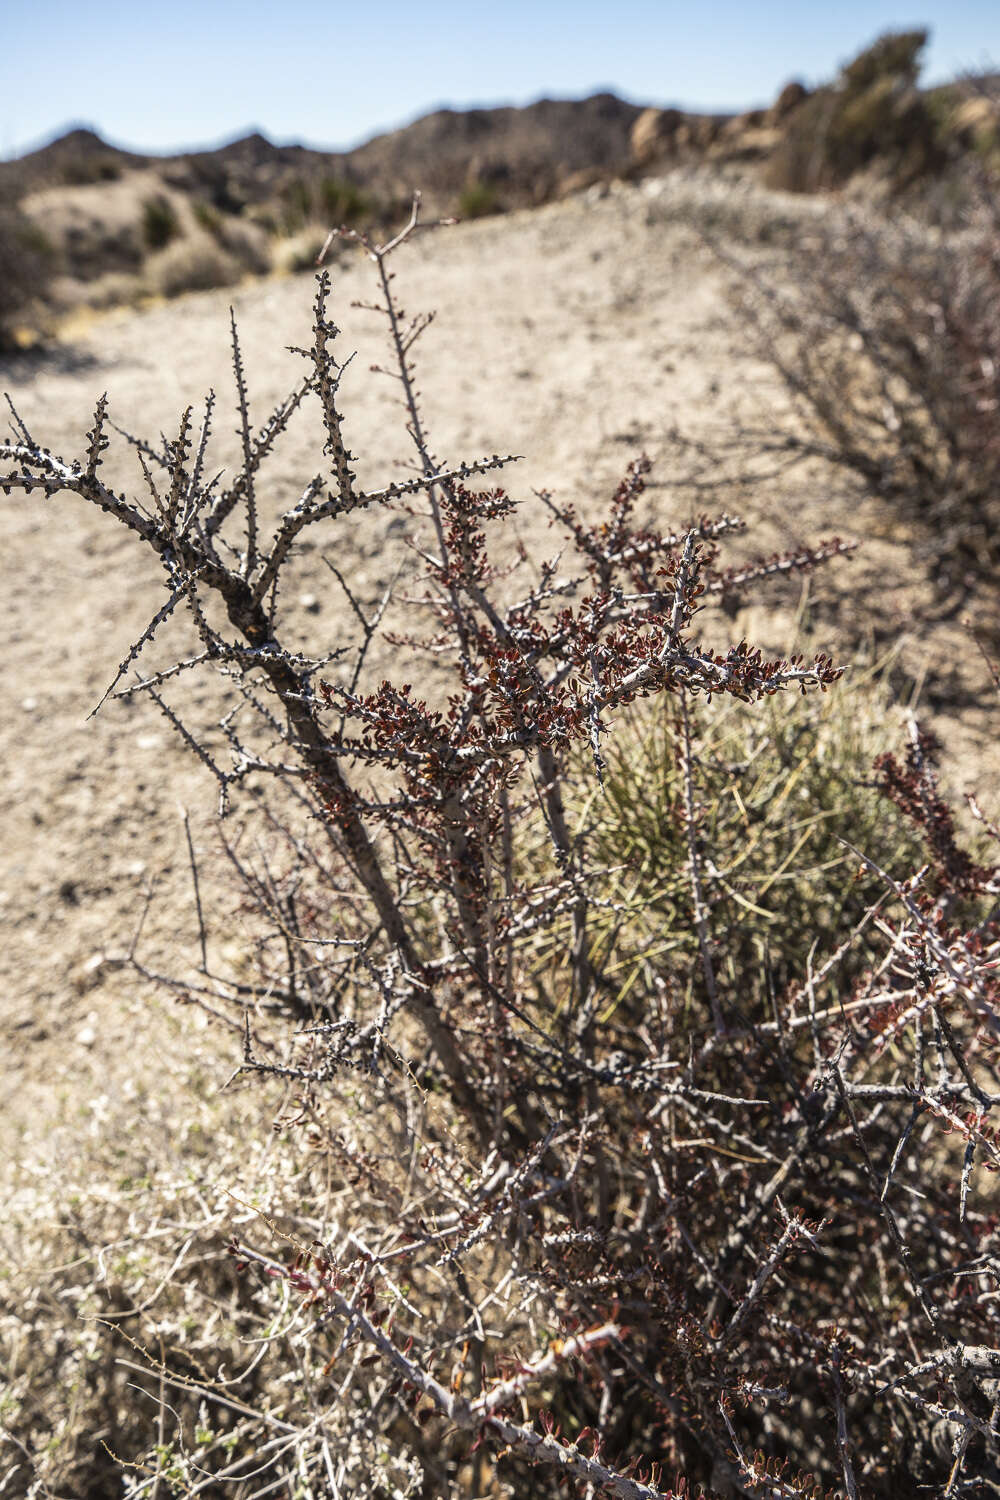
(333, 74)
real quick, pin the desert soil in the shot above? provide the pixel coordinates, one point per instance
(577, 335)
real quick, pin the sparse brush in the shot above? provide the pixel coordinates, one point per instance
(887, 337)
(341, 202)
(873, 115)
(26, 264)
(194, 264)
(478, 200)
(160, 224)
(119, 1304)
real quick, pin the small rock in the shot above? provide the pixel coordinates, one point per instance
(791, 96)
(309, 603)
(95, 969)
(653, 134)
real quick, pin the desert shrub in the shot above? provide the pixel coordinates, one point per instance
(873, 112)
(100, 169)
(194, 264)
(725, 212)
(967, 119)
(206, 216)
(308, 203)
(114, 289)
(298, 204)
(301, 252)
(730, 1228)
(341, 202)
(160, 224)
(246, 242)
(888, 338)
(248, 246)
(86, 166)
(478, 200)
(26, 261)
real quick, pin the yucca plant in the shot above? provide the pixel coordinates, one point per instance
(778, 793)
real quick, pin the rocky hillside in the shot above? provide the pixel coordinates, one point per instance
(525, 153)
(100, 226)
(83, 222)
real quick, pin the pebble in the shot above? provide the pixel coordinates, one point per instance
(86, 1036)
(95, 969)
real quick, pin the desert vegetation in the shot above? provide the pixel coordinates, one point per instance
(887, 337)
(873, 112)
(24, 263)
(613, 1023)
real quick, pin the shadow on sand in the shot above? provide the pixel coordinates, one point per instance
(19, 365)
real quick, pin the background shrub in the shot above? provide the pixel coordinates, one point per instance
(247, 242)
(206, 216)
(874, 112)
(478, 200)
(194, 264)
(26, 264)
(300, 252)
(160, 224)
(342, 202)
(887, 336)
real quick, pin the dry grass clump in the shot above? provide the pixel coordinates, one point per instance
(778, 789)
(246, 241)
(119, 1305)
(219, 256)
(301, 251)
(194, 264)
(635, 1141)
(114, 289)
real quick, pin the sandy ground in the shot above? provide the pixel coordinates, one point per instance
(577, 335)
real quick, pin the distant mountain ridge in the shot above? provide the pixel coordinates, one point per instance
(438, 152)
